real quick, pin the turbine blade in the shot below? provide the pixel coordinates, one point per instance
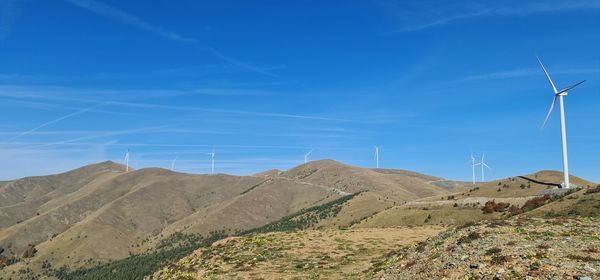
(547, 75)
(549, 112)
(487, 166)
(570, 87)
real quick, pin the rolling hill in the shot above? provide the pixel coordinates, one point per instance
(544, 233)
(100, 213)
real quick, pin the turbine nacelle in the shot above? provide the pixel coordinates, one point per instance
(557, 93)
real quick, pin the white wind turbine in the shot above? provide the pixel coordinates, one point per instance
(127, 161)
(173, 164)
(559, 94)
(306, 156)
(212, 159)
(377, 156)
(473, 164)
(483, 166)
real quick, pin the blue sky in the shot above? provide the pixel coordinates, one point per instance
(263, 82)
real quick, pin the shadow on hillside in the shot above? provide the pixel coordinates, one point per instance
(539, 182)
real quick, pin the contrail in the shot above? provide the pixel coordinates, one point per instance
(132, 20)
(167, 107)
(101, 135)
(240, 112)
(53, 122)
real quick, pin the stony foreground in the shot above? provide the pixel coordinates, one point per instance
(310, 254)
(511, 249)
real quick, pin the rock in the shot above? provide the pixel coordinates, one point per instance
(534, 266)
(582, 277)
(498, 274)
(1, 250)
(589, 269)
(449, 265)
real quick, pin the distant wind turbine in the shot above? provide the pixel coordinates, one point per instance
(559, 94)
(483, 166)
(306, 156)
(212, 159)
(473, 164)
(173, 164)
(127, 161)
(377, 157)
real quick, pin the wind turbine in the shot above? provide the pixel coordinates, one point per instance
(212, 158)
(306, 156)
(559, 94)
(127, 161)
(173, 164)
(483, 165)
(377, 156)
(473, 164)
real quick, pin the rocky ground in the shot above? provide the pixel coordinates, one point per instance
(511, 249)
(523, 248)
(310, 254)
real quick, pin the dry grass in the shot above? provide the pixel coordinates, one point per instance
(300, 255)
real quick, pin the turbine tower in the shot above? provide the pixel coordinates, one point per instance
(483, 166)
(306, 156)
(127, 161)
(377, 156)
(560, 94)
(212, 159)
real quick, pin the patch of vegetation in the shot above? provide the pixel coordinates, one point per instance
(428, 218)
(582, 258)
(491, 207)
(468, 238)
(591, 191)
(253, 187)
(137, 266)
(514, 210)
(499, 260)
(535, 203)
(306, 173)
(305, 218)
(493, 251)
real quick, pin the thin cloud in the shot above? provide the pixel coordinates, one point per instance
(103, 135)
(62, 118)
(34, 94)
(446, 15)
(132, 20)
(224, 111)
(518, 73)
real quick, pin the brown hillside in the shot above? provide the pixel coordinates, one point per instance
(101, 213)
(25, 198)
